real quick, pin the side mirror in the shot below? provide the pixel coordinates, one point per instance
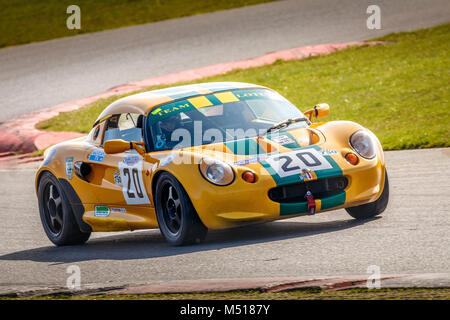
(319, 111)
(117, 146)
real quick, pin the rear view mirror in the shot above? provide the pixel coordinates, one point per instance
(319, 111)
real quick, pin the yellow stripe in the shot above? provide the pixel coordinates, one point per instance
(200, 102)
(226, 97)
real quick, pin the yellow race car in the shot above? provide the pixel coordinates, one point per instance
(207, 156)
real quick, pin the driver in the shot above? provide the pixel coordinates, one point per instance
(167, 127)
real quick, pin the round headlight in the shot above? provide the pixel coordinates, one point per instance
(216, 172)
(363, 144)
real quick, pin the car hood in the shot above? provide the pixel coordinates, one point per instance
(240, 151)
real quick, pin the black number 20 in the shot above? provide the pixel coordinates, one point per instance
(137, 185)
(301, 156)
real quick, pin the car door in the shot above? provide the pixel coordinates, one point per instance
(117, 179)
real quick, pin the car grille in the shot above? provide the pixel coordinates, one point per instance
(320, 188)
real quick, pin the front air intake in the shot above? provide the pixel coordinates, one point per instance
(321, 188)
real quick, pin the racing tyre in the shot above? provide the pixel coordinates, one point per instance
(372, 209)
(56, 214)
(177, 218)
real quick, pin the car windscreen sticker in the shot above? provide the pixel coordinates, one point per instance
(97, 156)
(285, 139)
(170, 109)
(133, 188)
(298, 165)
(69, 167)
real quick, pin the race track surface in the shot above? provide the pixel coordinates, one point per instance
(44, 74)
(411, 236)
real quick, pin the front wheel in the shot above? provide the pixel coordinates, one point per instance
(372, 209)
(177, 218)
(56, 214)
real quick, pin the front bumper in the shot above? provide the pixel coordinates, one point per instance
(244, 203)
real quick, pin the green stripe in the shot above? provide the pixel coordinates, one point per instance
(245, 147)
(293, 208)
(302, 207)
(333, 201)
(251, 94)
(169, 110)
(213, 99)
(333, 172)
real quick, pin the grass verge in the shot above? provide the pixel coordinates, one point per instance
(307, 294)
(25, 21)
(400, 90)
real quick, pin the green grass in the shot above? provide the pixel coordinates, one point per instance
(307, 294)
(399, 90)
(24, 21)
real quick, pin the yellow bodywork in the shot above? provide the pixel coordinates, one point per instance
(217, 206)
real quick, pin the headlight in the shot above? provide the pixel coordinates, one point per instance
(217, 172)
(363, 144)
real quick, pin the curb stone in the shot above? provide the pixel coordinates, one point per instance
(273, 284)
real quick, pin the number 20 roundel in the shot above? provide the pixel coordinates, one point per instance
(287, 164)
(133, 185)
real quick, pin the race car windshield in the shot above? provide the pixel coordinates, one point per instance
(218, 117)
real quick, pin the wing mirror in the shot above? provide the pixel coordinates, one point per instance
(319, 111)
(119, 145)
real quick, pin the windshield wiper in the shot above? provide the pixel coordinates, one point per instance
(284, 124)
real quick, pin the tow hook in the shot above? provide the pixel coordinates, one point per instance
(311, 203)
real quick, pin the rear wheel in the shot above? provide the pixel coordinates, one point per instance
(56, 214)
(372, 209)
(177, 218)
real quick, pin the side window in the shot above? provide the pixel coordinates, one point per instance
(125, 126)
(96, 133)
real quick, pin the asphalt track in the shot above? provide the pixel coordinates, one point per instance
(411, 236)
(45, 74)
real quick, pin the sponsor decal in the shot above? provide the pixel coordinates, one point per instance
(117, 178)
(118, 210)
(69, 167)
(250, 160)
(101, 211)
(328, 152)
(306, 174)
(282, 140)
(97, 156)
(131, 160)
